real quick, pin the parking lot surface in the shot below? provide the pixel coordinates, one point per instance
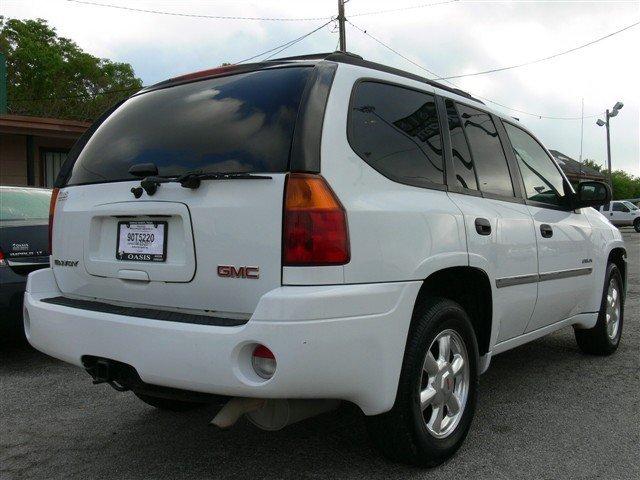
(545, 411)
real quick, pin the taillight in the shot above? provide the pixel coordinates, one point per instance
(52, 211)
(3, 262)
(315, 223)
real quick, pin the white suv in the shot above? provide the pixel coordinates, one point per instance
(622, 213)
(277, 237)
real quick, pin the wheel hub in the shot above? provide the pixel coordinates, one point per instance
(444, 385)
(612, 313)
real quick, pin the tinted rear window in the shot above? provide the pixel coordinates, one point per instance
(396, 131)
(486, 148)
(237, 123)
(462, 161)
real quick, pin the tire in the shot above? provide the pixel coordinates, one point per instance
(403, 434)
(604, 338)
(636, 224)
(169, 404)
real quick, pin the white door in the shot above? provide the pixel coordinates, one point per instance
(565, 257)
(499, 228)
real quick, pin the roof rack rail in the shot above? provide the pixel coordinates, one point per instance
(314, 56)
(337, 56)
(354, 59)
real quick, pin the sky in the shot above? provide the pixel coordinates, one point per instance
(449, 39)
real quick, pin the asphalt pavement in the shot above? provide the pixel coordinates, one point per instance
(546, 411)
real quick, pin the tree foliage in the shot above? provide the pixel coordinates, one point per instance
(592, 164)
(624, 184)
(50, 76)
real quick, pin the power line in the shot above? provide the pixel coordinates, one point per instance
(548, 117)
(197, 15)
(502, 69)
(401, 9)
(392, 50)
(236, 17)
(285, 45)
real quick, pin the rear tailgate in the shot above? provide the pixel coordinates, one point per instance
(214, 248)
(232, 223)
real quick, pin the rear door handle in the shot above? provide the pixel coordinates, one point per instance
(483, 226)
(546, 230)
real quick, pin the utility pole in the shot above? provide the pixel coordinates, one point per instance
(341, 19)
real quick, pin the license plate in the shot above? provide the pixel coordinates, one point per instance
(142, 241)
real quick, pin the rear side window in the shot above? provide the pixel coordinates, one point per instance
(236, 123)
(605, 208)
(396, 131)
(486, 149)
(462, 161)
(543, 181)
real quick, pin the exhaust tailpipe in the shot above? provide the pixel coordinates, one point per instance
(277, 414)
(234, 409)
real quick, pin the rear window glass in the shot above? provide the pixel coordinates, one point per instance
(236, 123)
(396, 131)
(488, 155)
(462, 161)
(24, 204)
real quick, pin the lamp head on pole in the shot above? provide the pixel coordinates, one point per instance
(618, 106)
(600, 123)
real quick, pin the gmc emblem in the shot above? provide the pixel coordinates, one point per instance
(230, 271)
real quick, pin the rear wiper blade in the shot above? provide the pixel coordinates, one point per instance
(192, 179)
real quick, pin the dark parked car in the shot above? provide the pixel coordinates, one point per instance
(24, 219)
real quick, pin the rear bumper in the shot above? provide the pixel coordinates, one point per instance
(339, 342)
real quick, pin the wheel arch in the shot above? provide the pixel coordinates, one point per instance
(471, 288)
(618, 255)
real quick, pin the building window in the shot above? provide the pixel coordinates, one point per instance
(52, 160)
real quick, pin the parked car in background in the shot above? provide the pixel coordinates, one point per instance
(622, 213)
(285, 235)
(24, 220)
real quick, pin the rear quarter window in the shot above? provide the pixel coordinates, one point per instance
(396, 131)
(236, 123)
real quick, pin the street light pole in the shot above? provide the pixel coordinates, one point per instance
(609, 152)
(608, 115)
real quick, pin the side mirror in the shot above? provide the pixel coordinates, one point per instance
(590, 194)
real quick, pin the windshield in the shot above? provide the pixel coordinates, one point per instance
(24, 204)
(237, 123)
(630, 205)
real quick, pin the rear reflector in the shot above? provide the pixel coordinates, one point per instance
(263, 362)
(52, 211)
(315, 224)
